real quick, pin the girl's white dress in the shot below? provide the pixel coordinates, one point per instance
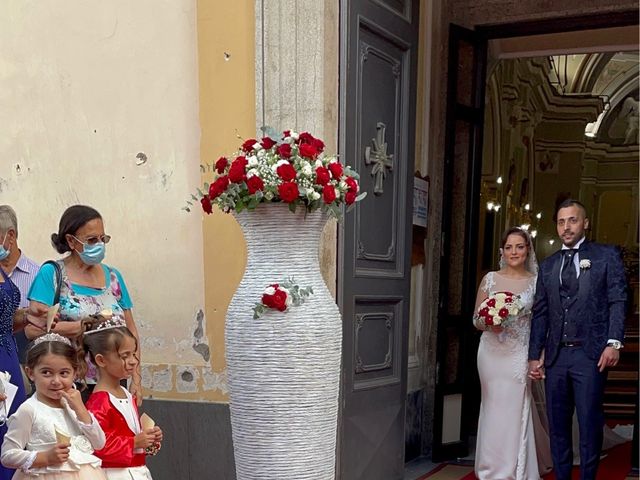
(32, 429)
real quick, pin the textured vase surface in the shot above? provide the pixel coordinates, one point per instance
(283, 368)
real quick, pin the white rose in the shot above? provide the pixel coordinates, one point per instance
(251, 172)
(306, 170)
(269, 291)
(294, 135)
(253, 161)
(257, 146)
(318, 163)
(315, 196)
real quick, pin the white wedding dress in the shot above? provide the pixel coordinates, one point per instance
(506, 446)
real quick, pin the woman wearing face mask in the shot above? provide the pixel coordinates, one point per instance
(89, 289)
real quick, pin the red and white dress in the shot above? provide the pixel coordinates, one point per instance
(120, 422)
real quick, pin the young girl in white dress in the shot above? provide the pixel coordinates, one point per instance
(113, 348)
(52, 436)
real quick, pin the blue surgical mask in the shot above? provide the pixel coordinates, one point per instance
(92, 254)
(4, 253)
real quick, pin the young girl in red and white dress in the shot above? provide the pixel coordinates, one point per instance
(52, 436)
(112, 349)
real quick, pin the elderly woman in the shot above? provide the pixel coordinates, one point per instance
(88, 288)
(9, 314)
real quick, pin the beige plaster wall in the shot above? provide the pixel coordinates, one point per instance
(87, 88)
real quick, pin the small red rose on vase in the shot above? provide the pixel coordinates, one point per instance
(281, 296)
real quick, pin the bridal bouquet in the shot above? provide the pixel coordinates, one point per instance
(289, 168)
(499, 308)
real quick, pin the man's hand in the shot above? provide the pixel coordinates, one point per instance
(609, 358)
(536, 369)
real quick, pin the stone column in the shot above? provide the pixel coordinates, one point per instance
(297, 53)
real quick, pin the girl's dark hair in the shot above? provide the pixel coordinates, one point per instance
(71, 221)
(515, 231)
(106, 340)
(75, 357)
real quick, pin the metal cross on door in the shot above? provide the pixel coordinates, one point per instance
(381, 159)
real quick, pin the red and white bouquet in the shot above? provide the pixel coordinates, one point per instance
(281, 296)
(290, 168)
(499, 308)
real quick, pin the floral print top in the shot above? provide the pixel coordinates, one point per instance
(77, 301)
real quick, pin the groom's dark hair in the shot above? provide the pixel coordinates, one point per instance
(570, 202)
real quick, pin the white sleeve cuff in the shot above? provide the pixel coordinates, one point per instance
(27, 464)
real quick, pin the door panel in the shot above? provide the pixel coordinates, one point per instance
(463, 157)
(377, 131)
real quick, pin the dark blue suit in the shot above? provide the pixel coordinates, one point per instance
(597, 313)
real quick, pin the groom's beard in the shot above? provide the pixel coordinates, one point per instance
(569, 239)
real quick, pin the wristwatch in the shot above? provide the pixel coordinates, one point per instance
(615, 344)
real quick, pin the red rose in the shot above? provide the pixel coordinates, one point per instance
(267, 143)
(483, 312)
(488, 321)
(508, 300)
(319, 144)
(218, 187)
(286, 172)
(221, 164)
(237, 173)
(350, 197)
(280, 300)
(352, 184)
(328, 194)
(247, 146)
(308, 151)
(503, 312)
(288, 191)
(286, 133)
(305, 137)
(336, 169)
(284, 150)
(322, 176)
(206, 204)
(254, 184)
(241, 160)
(491, 302)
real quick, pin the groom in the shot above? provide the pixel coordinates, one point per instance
(577, 330)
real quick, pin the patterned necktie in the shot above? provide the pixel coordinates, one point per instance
(568, 276)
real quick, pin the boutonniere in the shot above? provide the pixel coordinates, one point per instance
(585, 264)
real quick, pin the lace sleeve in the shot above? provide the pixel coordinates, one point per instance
(483, 292)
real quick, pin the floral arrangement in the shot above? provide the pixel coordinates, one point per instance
(281, 296)
(499, 307)
(290, 168)
(585, 264)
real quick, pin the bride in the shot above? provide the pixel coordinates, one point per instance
(506, 446)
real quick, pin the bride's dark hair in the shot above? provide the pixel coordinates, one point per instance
(515, 231)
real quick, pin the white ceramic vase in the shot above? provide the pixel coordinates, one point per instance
(283, 368)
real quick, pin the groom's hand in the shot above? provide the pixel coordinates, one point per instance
(609, 358)
(536, 370)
